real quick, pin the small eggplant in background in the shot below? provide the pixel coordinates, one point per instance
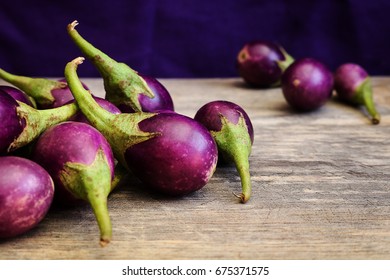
(262, 63)
(307, 84)
(353, 86)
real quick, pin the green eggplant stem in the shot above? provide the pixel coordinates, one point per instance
(242, 166)
(234, 144)
(123, 85)
(121, 130)
(91, 183)
(364, 95)
(99, 207)
(99, 117)
(37, 121)
(99, 58)
(284, 64)
(37, 88)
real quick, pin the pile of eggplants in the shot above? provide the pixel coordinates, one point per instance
(62, 146)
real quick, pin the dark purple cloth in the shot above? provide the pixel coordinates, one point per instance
(192, 38)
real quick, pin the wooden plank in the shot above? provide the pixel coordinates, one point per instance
(321, 190)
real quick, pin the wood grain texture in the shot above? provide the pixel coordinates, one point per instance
(321, 190)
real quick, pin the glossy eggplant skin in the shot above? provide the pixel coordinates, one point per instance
(180, 159)
(26, 194)
(307, 84)
(17, 94)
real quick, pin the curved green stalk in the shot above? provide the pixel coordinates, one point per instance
(123, 85)
(234, 143)
(39, 89)
(121, 131)
(364, 97)
(37, 121)
(92, 183)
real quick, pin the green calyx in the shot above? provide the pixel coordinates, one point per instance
(123, 85)
(121, 130)
(37, 121)
(364, 96)
(283, 65)
(234, 144)
(39, 89)
(288, 60)
(91, 183)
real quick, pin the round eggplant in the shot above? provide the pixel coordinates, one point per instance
(307, 84)
(26, 194)
(261, 63)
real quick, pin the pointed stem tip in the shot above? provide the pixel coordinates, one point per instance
(72, 25)
(376, 120)
(78, 60)
(104, 241)
(243, 198)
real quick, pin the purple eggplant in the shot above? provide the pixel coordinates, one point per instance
(353, 85)
(81, 163)
(232, 130)
(307, 84)
(26, 194)
(162, 100)
(122, 84)
(18, 95)
(47, 93)
(261, 63)
(171, 153)
(21, 124)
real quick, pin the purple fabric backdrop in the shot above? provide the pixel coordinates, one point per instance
(190, 38)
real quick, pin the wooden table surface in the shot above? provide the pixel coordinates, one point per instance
(321, 190)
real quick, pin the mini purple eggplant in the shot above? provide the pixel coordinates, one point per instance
(162, 100)
(262, 63)
(81, 163)
(233, 132)
(26, 194)
(47, 93)
(123, 85)
(18, 95)
(21, 124)
(353, 86)
(307, 84)
(169, 152)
